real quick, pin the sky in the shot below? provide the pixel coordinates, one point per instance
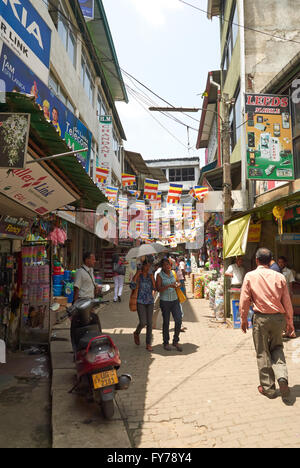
(169, 47)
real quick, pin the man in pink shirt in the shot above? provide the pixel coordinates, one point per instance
(267, 291)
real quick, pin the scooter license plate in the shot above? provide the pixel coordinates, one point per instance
(105, 379)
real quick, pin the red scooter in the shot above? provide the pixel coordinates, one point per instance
(96, 356)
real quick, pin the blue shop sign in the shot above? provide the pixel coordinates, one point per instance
(19, 78)
(87, 7)
(20, 20)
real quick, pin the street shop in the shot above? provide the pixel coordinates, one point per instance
(275, 225)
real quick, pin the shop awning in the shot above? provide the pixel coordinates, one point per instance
(45, 137)
(235, 236)
(260, 211)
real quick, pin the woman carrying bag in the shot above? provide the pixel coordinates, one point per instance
(143, 294)
(169, 288)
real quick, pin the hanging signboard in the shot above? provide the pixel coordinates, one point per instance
(24, 31)
(19, 78)
(87, 8)
(106, 151)
(34, 188)
(12, 227)
(14, 134)
(269, 138)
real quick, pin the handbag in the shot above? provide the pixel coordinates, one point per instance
(133, 298)
(181, 296)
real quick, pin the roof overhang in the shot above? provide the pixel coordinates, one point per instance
(209, 110)
(102, 38)
(46, 142)
(139, 165)
(213, 8)
(94, 47)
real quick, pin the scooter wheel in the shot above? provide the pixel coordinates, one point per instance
(108, 409)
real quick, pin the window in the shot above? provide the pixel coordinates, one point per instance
(86, 78)
(232, 35)
(183, 174)
(101, 108)
(67, 36)
(57, 90)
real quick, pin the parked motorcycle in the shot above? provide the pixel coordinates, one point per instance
(97, 358)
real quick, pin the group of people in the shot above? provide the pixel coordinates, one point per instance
(158, 290)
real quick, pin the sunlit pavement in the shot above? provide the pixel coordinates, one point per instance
(205, 396)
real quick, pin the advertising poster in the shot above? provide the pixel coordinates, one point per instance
(269, 138)
(14, 133)
(35, 188)
(19, 78)
(27, 34)
(87, 8)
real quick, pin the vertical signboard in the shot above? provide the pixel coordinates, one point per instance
(269, 138)
(24, 31)
(106, 151)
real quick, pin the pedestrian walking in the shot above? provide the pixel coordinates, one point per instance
(290, 279)
(119, 271)
(166, 284)
(156, 301)
(145, 302)
(268, 291)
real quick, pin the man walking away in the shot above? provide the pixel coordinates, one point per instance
(268, 291)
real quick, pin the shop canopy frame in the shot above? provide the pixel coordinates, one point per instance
(44, 135)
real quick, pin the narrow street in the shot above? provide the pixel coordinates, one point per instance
(205, 396)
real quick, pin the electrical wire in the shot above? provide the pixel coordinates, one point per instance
(240, 26)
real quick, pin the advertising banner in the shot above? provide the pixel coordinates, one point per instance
(19, 78)
(14, 133)
(27, 34)
(269, 138)
(34, 188)
(87, 8)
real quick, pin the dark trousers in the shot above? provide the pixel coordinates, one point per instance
(145, 312)
(168, 308)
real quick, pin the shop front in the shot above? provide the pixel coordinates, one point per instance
(262, 227)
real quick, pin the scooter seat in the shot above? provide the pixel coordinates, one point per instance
(84, 341)
(84, 335)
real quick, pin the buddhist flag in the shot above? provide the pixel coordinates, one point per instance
(134, 193)
(111, 193)
(102, 174)
(175, 191)
(128, 180)
(200, 192)
(150, 189)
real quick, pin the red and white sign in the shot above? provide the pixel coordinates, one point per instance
(106, 151)
(34, 188)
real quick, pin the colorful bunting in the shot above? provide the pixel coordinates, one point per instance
(150, 189)
(102, 174)
(111, 193)
(128, 180)
(175, 191)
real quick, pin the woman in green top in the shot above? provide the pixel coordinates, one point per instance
(166, 284)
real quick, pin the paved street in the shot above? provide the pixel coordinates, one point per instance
(204, 397)
(207, 396)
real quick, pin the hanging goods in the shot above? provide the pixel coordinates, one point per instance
(279, 213)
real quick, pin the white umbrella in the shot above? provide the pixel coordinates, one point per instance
(146, 249)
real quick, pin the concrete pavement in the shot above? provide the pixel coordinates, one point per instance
(205, 396)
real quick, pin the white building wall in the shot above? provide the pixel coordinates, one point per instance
(70, 81)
